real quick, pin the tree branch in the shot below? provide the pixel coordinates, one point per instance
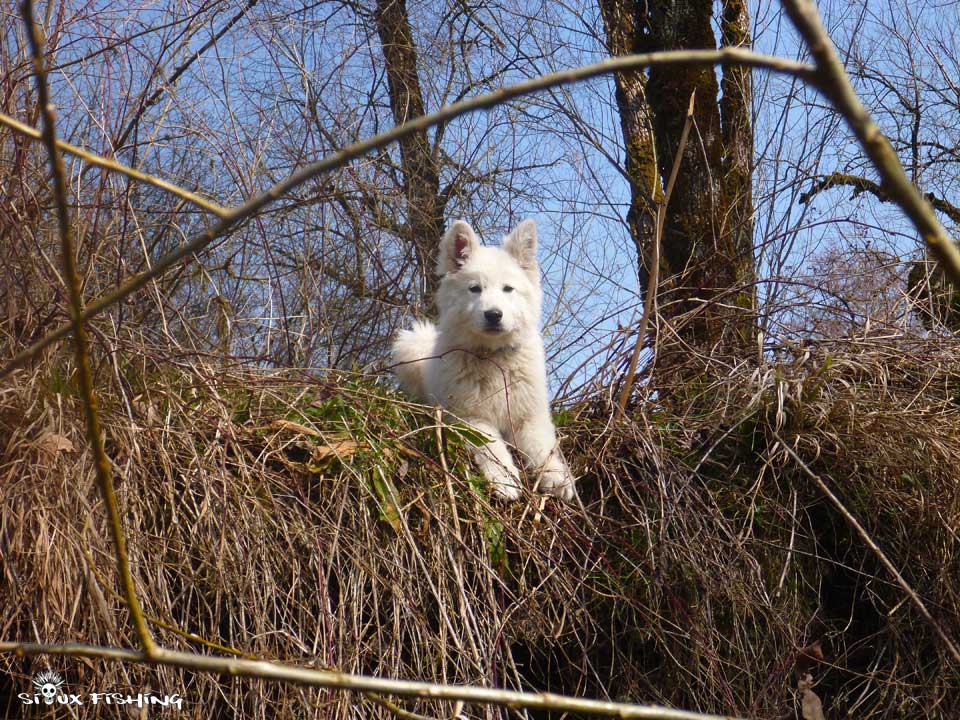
(238, 667)
(81, 342)
(155, 97)
(862, 185)
(831, 79)
(108, 164)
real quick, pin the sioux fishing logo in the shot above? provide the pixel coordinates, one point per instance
(48, 684)
(48, 690)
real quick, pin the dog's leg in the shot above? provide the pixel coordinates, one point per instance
(537, 440)
(495, 462)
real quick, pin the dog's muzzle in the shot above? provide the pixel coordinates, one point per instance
(493, 318)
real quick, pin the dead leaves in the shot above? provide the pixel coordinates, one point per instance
(340, 450)
(53, 443)
(321, 454)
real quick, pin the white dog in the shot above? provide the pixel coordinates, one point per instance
(483, 361)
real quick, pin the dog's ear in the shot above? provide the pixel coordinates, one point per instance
(456, 247)
(522, 245)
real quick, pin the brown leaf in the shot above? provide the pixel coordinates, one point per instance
(54, 443)
(293, 427)
(808, 657)
(339, 450)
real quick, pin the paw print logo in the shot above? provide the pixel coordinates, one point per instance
(48, 685)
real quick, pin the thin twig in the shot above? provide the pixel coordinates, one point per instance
(236, 215)
(155, 97)
(238, 667)
(81, 342)
(192, 637)
(395, 709)
(654, 277)
(438, 428)
(865, 536)
(107, 164)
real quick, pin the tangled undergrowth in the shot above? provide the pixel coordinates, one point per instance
(326, 522)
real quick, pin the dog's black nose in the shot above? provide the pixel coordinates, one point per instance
(493, 317)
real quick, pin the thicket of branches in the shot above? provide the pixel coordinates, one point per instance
(281, 502)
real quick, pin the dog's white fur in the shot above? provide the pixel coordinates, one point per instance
(483, 361)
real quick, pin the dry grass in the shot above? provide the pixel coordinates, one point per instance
(312, 521)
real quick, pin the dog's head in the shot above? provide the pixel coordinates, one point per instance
(489, 296)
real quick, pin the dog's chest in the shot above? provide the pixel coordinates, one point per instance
(489, 386)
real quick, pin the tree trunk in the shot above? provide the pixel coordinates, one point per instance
(737, 126)
(707, 267)
(421, 177)
(640, 163)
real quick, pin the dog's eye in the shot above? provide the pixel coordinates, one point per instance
(507, 288)
(475, 288)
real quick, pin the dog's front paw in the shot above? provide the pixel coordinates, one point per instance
(505, 484)
(557, 480)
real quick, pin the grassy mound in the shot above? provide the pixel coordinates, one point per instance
(329, 523)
